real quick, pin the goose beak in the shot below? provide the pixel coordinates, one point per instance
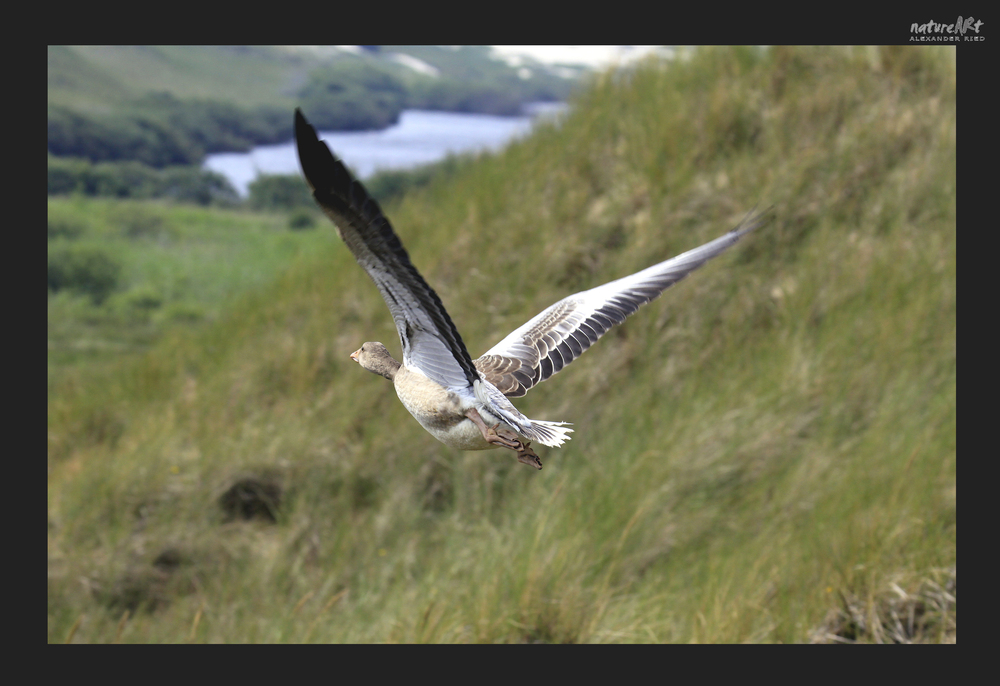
(354, 355)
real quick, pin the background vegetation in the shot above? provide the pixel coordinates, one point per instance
(104, 106)
(766, 454)
(184, 183)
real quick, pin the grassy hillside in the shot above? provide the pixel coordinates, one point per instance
(100, 79)
(765, 454)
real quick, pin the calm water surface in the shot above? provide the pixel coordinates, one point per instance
(420, 137)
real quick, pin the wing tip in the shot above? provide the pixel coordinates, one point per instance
(753, 220)
(326, 173)
(310, 150)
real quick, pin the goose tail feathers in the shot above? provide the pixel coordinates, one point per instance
(552, 434)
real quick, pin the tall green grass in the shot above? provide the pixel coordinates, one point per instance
(772, 440)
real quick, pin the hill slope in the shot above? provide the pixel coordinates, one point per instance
(758, 455)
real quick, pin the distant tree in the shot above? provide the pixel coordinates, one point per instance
(160, 130)
(301, 219)
(130, 179)
(353, 95)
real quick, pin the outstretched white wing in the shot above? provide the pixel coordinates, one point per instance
(559, 334)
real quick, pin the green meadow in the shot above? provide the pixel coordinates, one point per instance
(767, 453)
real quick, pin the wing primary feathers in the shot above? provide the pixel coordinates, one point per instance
(561, 333)
(377, 248)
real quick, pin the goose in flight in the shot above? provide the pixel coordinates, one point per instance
(464, 402)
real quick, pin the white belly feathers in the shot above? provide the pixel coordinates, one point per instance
(439, 411)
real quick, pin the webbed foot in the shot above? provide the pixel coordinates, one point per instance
(507, 439)
(526, 455)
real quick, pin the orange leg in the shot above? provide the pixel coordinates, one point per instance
(506, 440)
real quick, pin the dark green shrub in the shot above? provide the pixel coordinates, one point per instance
(301, 219)
(64, 228)
(280, 192)
(184, 183)
(83, 269)
(386, 186)
(143, 301)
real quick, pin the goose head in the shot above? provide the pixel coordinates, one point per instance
(375, 357)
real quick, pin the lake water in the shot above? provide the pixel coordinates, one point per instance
(420, 137)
